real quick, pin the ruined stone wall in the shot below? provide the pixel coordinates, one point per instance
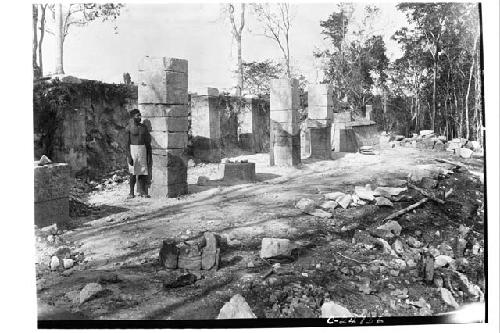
(82, 124)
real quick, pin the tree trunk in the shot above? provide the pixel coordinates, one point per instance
(434, 77)
(42, 34)
(467, 133)
(35, 40)
(240, 68)
(59, 35)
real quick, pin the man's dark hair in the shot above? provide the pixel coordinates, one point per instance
(134, 112)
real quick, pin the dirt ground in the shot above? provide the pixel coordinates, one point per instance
(117, 245)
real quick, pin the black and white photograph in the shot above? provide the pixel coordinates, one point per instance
(260, 165)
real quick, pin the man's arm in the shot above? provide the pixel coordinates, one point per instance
(129, 155)
(147, 143)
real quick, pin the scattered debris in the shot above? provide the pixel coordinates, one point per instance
(365, 193)
(44, 160)
(389, 229)
(389, 191)
(68, 263)
(345, 201)
(334, 196)
(320, 213)
(54, 263)
(181, 281)
(334, 310)
(367, 150)
(329, 205)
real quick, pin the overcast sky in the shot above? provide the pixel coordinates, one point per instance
(200, 34)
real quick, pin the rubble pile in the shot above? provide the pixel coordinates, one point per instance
(427, 139)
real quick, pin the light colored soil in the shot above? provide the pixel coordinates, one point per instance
(126, 237)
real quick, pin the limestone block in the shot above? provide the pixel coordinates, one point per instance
(284, 116)
(320, 95)
(320, 142)
(156, 64)
(239, 171)
(318, 123)
(210, 253)
(236, 308)
(168, 191)
(285, 155)
(368, 112)
(169, 253)
(271, 247)
(171, 124)
(169, 169)
(342, 117)
(207, 92)
(205, 117)
(284, 94)
(162, 110)
(319, 112)
(162, 87)
(161, 139)
(51, 181)
(52, 211)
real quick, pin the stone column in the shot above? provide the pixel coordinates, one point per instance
(368, 113)
(320, 114)
(163, 102)
(284, 131)
(247, 126)
(205, 126)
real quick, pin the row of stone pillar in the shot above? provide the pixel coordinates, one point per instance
(163, 102)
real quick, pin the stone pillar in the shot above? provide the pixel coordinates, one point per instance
(247, 126)
(163, 102)
(368, 113)
(52, 194)
(320, 114)
(205, 126)
(284, 131)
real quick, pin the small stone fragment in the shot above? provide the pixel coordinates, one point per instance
(236, 308)
(442, 260)
(329, 205)
(392, 228)
(202, 181)
(382, 201)
(365, 192)
(448, 298)
(54, 263)
(333, 310)
(398, 246)
(305, 205)
(68, 263)
(345, 201)
(334, 195)
(89, 291)
(271, 247)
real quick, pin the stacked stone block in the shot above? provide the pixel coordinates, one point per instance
(284, 131)
(52, 194)
(194, 254)
(163, 102)
(320, 115)
(343, 137)
(205, 126)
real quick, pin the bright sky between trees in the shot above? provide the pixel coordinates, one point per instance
(200, 34)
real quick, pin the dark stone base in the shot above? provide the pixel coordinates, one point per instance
(52, 211)
(168, 191)
(239, 172)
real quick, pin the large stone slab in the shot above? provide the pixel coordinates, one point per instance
(163, 87)
(163, 64)
(162, 139)
(284, 94)
(162, 110)
(51, 181)
(52, 211)
(171, 124)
